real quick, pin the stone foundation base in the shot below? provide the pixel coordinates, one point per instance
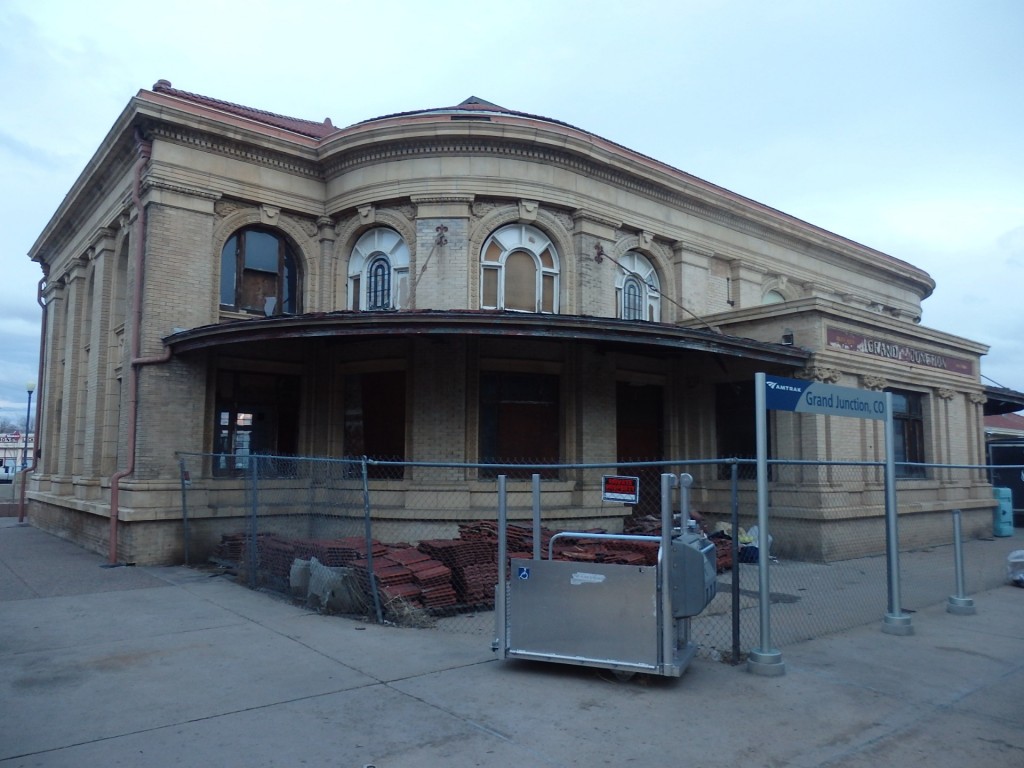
(163, 542)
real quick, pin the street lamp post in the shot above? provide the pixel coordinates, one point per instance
(30, 387)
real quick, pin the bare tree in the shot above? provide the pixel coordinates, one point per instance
(10, 425)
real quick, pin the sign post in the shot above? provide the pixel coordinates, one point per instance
(799, 396)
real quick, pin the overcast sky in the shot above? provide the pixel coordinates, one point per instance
(896, 123)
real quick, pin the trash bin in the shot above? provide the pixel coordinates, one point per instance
(1002, 515)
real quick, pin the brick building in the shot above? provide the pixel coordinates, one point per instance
(465, 284)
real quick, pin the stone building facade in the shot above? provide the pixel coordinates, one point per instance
(465, 284)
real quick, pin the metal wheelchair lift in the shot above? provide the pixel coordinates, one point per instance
(626, 618)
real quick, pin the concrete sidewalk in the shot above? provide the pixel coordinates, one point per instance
(170, 666)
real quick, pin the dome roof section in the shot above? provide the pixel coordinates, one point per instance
(473, 108)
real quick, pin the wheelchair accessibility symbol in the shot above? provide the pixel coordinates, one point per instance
(524, 573)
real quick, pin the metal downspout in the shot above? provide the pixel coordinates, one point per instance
(39, 397)
(143, 148)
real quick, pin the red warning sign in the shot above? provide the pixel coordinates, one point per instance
(620, 488)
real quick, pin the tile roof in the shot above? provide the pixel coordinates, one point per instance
(296, 125)
(1005, 421)
(313, 129)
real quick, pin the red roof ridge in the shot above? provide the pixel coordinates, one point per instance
(309, 128)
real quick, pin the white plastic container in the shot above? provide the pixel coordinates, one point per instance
(1015, 567)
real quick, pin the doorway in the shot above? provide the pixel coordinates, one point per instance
(640, 436)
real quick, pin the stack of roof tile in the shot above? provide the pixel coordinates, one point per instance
(435, 581)
(517, 537)
(440, 573)
(458, 553)
(354, 548)
(234, 546)
(276, 555)
(393, 579)
(231, 547)
(594, 552)
(474, 584)
(307, 549)
(405, 591)
(433, 577)
(406, 555)
(474, 571)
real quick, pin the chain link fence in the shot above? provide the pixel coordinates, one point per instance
(415, 543)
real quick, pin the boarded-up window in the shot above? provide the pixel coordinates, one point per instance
(519, 422)
(259, 273)
(375, 419)
(489, 296)
(520, 282)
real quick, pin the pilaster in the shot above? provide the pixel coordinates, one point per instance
(440, 279)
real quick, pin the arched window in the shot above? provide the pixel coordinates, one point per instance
(638, 289)
(773, 297)
(378, 283)
(259, 273)
(378, 271)
(519, 271)
(632, 298)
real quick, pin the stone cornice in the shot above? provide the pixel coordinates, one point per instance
(83, 199)
(781, 232)
(452, 198)
(152, 182)
(582, 215)
(246, 152)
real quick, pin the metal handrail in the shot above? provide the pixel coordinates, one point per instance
(598, 536)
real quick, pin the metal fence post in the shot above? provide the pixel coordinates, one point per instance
(959, 603)
(253, 520)
(668, 482)
(734, 546)
(500, 643)
(368, 528)
(766, 660)
(896, 622)
(536, 516)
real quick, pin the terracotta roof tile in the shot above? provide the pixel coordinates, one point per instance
(1013, 421)
(304, 127)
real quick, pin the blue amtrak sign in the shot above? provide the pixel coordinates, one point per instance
(814, 397)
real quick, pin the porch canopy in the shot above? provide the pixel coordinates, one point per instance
(509, 325)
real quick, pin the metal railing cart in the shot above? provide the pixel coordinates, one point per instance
(626, 618)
